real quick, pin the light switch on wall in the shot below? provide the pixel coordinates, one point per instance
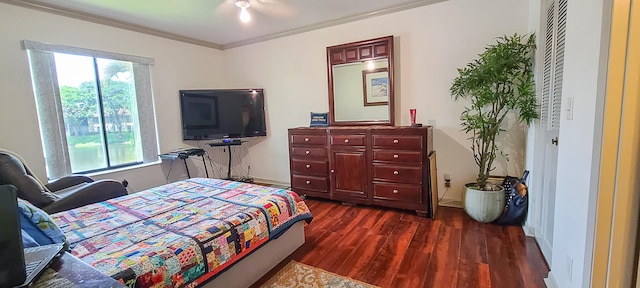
(569, 108)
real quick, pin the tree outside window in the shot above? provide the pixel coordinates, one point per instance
(98, 103)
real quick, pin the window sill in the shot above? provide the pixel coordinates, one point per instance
(123, 169)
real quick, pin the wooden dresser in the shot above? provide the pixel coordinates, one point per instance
(373, 165)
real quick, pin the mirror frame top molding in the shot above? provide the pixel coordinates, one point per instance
(377, 49)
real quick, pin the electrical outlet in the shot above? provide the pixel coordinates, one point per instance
(447, 180)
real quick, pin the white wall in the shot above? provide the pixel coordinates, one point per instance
(440, 38)
(178, 66)
(430, 43)
(579, 148)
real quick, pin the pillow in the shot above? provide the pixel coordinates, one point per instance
(39, 225)
(27, 240)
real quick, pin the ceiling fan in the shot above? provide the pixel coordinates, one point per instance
(271, 8)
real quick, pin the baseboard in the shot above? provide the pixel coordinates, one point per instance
(545, 248)
(271, 182)
(529, 231)
(550, 281)
(450, 203)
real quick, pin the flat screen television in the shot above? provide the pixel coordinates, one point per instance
(222, 113)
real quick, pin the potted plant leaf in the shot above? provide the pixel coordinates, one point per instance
(496, 84)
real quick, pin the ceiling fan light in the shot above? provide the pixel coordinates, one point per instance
(244, 15)
(243, 4)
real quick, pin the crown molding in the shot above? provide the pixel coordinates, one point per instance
(54, 9)
(371, 14)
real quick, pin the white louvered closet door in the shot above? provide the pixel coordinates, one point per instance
(550, 113)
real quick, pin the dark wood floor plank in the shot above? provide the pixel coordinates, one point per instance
(413, 217)
(443, 265)
(350, 220)
(451, 217)
(385, 265)
(312, 245)
(504, 268)
(372, 217)
(338, 211)
(343, 250)
(320, 208)
(473, 275)
(474, 244)
(495, 229)
(323, 247)
(524, 249)
(386, 223)
(426, 235)
(395, 248)
(411, 272)
(358, 262)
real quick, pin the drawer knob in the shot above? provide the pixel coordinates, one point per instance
(395, 156)
(346, 140)
(396, 172)
(308, 182)
(308, 166)
(395, 141)
(307, 152)
(333, 171)
(395, 191)
(306, 139)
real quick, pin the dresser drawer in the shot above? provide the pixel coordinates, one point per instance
(407, 142)
(309, 152)
(348, 140)
(404, 193)
(312, 193)
(309, 182)
(306, 167)
(309, 139)
(402, 174)
(397, 156)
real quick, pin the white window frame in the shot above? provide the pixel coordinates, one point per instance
(48, 102)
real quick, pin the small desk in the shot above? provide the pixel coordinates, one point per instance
(184, 155)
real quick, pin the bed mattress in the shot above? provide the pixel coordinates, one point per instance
(180, 234)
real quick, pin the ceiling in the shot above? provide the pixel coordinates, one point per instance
(216, 23)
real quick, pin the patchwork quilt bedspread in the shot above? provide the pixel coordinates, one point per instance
(179, 234)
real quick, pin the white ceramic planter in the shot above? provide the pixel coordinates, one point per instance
(483, 206)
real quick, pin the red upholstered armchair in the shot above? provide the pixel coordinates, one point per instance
(64, 194)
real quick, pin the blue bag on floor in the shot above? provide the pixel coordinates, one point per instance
(517, 200)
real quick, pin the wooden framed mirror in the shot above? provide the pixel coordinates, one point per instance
(361, 82)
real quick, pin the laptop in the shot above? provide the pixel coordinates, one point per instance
(19, 267)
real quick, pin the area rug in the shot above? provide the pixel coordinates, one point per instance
(296, 275)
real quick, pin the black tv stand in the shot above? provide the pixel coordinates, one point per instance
(228, 143)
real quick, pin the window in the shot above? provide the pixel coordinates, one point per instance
(95, 108)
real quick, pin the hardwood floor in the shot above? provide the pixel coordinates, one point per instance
(395, 248)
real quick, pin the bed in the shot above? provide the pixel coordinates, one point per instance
(182, 234)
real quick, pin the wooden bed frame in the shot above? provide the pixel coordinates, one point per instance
(252, 267)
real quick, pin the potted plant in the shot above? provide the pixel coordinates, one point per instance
(498, 83)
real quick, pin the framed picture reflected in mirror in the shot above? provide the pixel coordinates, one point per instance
(375, 87)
